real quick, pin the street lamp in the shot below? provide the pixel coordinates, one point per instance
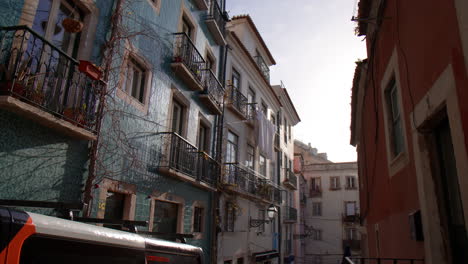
(271, 213)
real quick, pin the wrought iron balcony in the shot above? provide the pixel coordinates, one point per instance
(41, 82)
(182, 160)
(248, 183)
(290, 179)
(208, 169)
(216, 21)
(187, 63)
(213, 93)
(237, 102)
(263, 67)
(351, 218)
(290, 214)
(354, 244)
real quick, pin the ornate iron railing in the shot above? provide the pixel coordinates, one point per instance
(291, 177)
(216, 14)
(290, 214)
(247, 181)
(178, 154)
(212, 87)
(238, 100)
(263, 67)
(39, 73)
(208, 169)
(359, 260)
(351, 218)
(186, 53)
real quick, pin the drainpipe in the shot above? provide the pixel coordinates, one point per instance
(217, 148)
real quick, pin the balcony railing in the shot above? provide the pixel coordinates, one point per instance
(359, 260)
(248, 182)
(290, 179)
(317, 192)
(178, 155)
(353, 244)
(40, 74)
(263, 67)
(238, 102)
(216, 21)
(351, 218)
(187, 54)
(290, 214)
(208, 168)
(214, 92)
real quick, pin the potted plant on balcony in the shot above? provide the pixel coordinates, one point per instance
(76, 115)
(91, 70)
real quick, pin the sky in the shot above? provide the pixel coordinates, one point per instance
(315, 49)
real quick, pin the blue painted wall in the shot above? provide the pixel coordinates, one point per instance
(124, 125)
(37, 163)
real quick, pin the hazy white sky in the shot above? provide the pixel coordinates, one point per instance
(315, 49)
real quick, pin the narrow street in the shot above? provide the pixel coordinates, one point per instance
(233, 131)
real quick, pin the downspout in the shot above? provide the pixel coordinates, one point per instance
(218, 147)
(280, 164)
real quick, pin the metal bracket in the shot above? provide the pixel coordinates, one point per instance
(257, 222)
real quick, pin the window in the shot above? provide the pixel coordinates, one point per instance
(273, 120)
(285, 132)
(135, 80)
(394, 118)
(317, 209)
(265, 109)
(198, 213)
(315, 185)
(115, 203)
(236, 79)
(351, 234)
(203, 138)
(187, 27)
(250, 162)
(210, 62)
(48, 23)
(316, 234)
(289, 132)
(232, 147)
(251, 102)
(262, 165)
(228, 262)
(350, 182)
(350, 208)
(230, 217)
(165, 217)
(240, 261)
(178, 116)
(334, 183)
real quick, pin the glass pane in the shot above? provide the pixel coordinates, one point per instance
(397, 138)
(42, 16)
(165, 217)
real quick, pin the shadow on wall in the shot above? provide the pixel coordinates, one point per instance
(39, 164)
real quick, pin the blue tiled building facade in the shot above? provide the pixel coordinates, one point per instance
(155, 158)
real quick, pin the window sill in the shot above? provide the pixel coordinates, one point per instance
(132, 101)
(397, 163)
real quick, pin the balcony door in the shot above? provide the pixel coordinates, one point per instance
(52, 71)
(448, 193)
